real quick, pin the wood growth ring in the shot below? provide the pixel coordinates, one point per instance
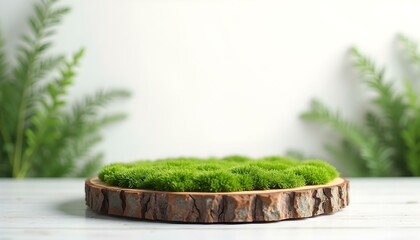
(223, 207)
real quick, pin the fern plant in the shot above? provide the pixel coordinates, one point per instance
(388, 143)
(41, 134)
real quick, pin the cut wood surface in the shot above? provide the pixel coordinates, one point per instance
(226, 207)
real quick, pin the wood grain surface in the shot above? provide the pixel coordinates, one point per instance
(232, 207)
(54, 208)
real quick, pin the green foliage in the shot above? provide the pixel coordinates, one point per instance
(41, 135)
(229, 174)
(388, 144)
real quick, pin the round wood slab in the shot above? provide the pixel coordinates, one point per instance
(226, 207)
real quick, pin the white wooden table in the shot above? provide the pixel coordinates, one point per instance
(386, 208)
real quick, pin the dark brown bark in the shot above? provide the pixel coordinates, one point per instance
(197, 207)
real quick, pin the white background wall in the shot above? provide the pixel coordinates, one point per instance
(219, 77)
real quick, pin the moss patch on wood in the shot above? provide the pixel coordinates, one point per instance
(229, 174)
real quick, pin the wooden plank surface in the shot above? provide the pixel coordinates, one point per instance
(387, 208)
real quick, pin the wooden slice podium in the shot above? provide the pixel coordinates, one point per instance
(223, 207)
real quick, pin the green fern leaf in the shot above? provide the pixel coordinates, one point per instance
(391, 105)
(410, 47)
(28, 73)
(376, 158)
(3, 64)
(47, 120)
(39, 136)
(411, 134)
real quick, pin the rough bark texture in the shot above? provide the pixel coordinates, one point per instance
(197, 207)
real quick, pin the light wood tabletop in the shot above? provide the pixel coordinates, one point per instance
(380, 208)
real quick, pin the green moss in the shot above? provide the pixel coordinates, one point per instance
(229, 174)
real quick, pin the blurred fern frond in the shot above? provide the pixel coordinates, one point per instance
(388, 143)
(378, 162)
(411, 48)
(411, 133)
(39, 137)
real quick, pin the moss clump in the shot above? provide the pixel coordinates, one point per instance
(229, 174)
